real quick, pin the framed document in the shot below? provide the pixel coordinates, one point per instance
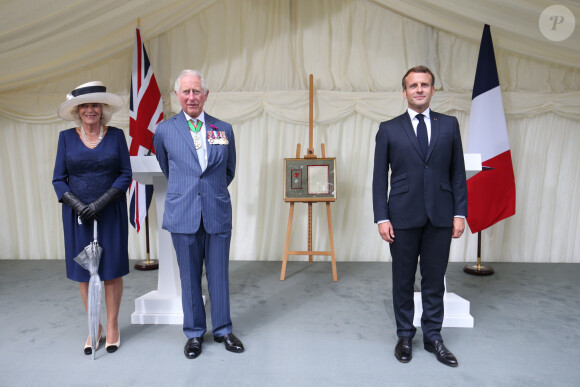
(310, 180)
(318, 179)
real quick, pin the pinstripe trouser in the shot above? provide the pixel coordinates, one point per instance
(191, 251)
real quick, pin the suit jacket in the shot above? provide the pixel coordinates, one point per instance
(431, 188)
(192, 194)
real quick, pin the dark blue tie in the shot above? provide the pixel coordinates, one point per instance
(422, 135)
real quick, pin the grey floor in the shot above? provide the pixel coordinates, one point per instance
(304, 331)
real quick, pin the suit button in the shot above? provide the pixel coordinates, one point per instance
(426, 166)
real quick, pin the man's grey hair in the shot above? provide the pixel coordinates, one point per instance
(194, 73)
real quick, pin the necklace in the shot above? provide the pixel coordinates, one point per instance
(92, 143)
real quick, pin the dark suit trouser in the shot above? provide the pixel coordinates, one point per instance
(191, 249)
(432, 244)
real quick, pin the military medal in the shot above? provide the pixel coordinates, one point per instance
(195, 130)
(223, 139)
(217, 137)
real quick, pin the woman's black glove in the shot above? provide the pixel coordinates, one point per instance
(73, 202)
(92, 210)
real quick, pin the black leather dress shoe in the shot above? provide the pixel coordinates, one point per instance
(193, 347)
(443, 354)
(233, 344)
(404, 349)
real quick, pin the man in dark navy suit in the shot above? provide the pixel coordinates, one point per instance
(425, 208)
(197, 154)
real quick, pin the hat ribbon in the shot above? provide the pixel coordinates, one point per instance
(88, 90)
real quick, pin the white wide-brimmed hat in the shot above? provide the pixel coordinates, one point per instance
(90, 92)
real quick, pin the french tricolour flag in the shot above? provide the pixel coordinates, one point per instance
(146, 111)
(492, 192)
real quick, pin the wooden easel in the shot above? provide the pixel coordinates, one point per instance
(310, 155)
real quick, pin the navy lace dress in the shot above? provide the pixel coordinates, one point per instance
(88, 173)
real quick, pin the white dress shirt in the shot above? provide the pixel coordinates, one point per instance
(202, 131)
(415, 121)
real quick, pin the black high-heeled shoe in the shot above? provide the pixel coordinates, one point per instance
(88, 349)
(112, 347)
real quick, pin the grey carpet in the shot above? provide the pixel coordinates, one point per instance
(304, 331)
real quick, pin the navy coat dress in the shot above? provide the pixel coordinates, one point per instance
(88, 173)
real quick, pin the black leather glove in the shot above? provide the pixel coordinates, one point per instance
(97, 206)
(87, 213)
(73, 202)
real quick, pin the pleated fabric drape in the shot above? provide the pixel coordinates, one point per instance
(256, 56)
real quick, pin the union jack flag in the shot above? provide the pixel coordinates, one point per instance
(145, 112)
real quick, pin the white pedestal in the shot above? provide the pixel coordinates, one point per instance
(154, 308)
(472, 164)
(456, 311)
(161, 306)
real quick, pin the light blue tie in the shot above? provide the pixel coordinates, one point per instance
(201, 154)
(201, 150)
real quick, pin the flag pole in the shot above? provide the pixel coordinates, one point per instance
(478, 269)
(150, 84)
(148, 264)
(491, 194)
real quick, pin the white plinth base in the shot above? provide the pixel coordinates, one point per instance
(152, 308)
(456, 311)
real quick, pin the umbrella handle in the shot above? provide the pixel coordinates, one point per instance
(95, 229)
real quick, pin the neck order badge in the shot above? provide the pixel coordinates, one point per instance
(195, 130)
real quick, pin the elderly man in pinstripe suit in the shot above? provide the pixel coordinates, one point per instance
(197, 154)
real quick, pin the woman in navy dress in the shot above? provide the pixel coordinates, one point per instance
(92, 172)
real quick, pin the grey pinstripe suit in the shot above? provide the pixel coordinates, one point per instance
(198, 214)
